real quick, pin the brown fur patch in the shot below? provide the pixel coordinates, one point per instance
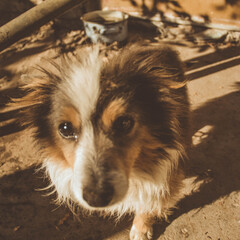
(114, 109)
(148, 144)
(66, 147)
(70, 114)
(131, 156)
(178, 85)
(56, 153)
(69, 153)
(62, 151)
(140, 153)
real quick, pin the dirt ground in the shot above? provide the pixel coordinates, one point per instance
(211, 208)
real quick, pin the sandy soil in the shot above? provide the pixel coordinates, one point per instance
(211, 208)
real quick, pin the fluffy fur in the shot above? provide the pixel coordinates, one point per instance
(114, 133)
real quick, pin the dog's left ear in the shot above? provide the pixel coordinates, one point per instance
(162, 63)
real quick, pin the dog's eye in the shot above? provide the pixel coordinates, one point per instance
(123, 124)
(67, 131)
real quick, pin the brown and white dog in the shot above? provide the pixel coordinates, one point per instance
(113, 133)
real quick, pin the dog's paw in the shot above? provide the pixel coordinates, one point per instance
(141, 234)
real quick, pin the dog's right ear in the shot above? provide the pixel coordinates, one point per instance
(34, 102)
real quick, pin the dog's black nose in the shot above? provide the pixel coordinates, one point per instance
(98, 196)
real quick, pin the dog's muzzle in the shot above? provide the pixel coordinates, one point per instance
(98, 193)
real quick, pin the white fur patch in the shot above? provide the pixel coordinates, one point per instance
(83, 86)
(61, 179)
(85, 154)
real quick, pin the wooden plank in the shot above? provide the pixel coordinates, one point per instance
(33, 19)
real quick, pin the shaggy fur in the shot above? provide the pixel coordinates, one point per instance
(114, 133)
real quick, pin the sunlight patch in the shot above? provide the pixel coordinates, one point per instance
(201, 134)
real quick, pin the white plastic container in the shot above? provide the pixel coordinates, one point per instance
(106, 26)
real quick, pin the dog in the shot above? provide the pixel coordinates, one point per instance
(114, 132)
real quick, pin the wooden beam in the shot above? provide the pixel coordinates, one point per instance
(33, 19)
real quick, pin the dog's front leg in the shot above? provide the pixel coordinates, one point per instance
(142, 227)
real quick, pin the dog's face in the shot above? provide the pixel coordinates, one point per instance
(100, 123)
(99, 145)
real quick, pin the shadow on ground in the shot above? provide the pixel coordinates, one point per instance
(216, 158)
(27, 214)
(213, 62)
